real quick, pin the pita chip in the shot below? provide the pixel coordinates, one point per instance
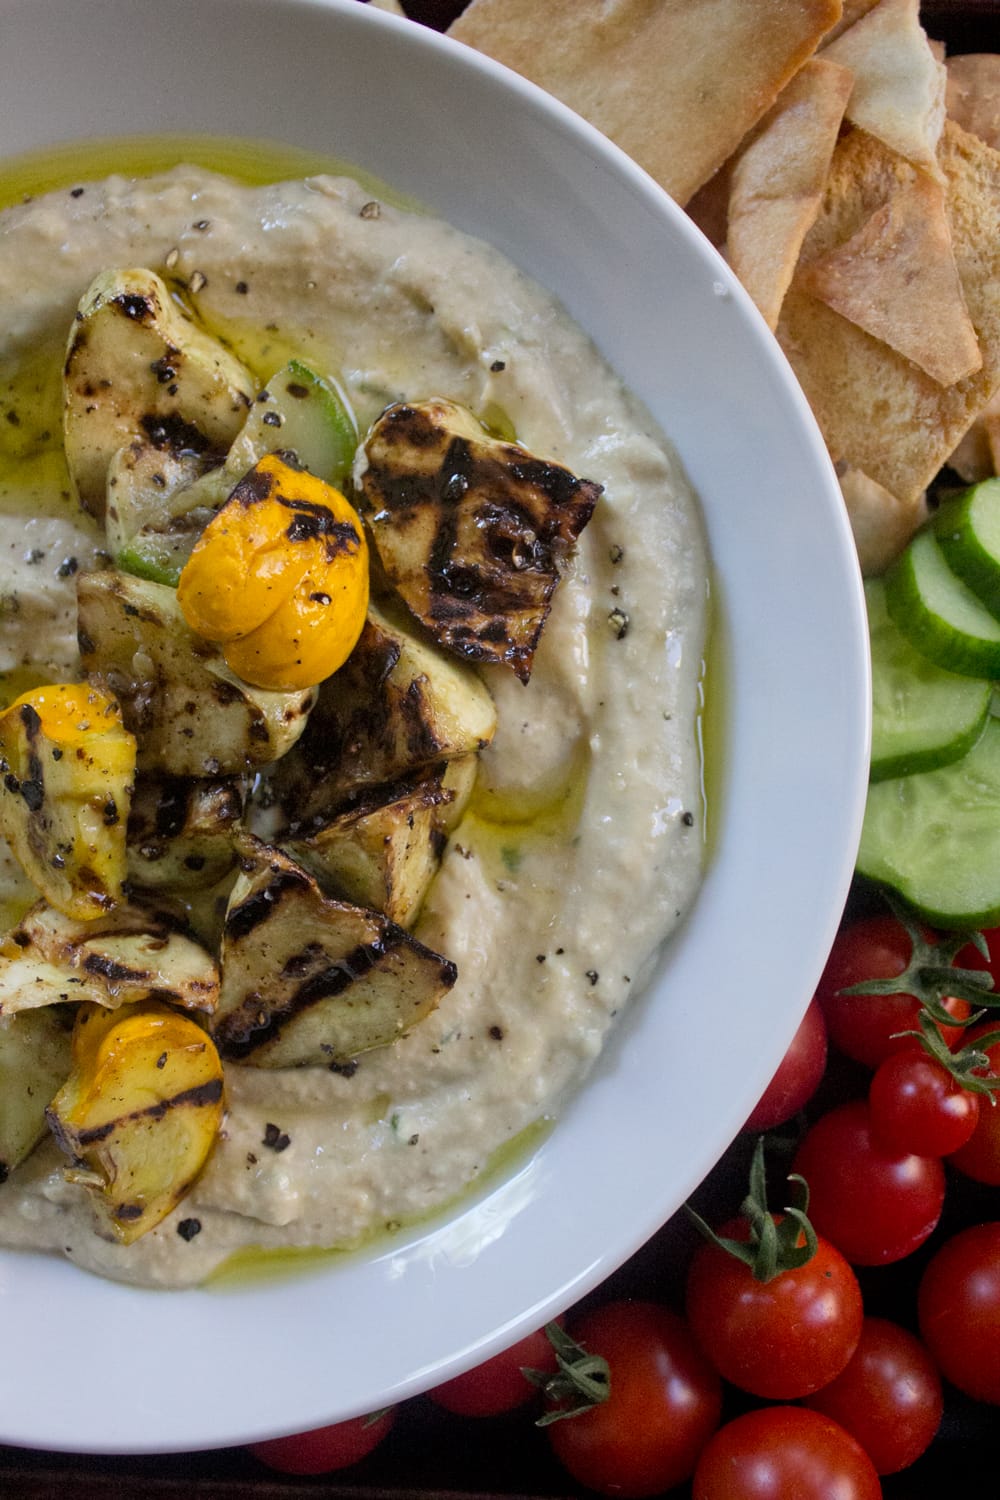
(853, 11)
(977, 454)
(676, 84)
(777, 181)
(881, 523)
(878, 411)
(992, 428)
(899, 89)
(973, 94)
(896, 277)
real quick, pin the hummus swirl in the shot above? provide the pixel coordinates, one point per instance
(583, 846)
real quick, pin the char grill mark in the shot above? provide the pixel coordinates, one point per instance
(339, 979)
(196, 1098)
(473, 531)
(261, 906)
(243, 1031)
(170, 432)
(113, 972)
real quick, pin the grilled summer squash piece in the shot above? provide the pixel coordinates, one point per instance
(67, 765)
(191, 715)
(396, 707)
(133, 954)
(34, 1063)
(341, 980)
(473, 531)
(180, 831)
(383, 853)
(139, 1113)
(458, 778)
(160, 502)
(137, 367)
(157, 507)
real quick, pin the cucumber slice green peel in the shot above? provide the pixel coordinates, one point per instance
(939, 614)
(922, 716)
(968, 533)
(934, 837)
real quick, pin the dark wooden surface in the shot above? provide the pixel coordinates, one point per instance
(432, 1454)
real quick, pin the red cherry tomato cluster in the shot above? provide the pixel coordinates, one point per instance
(772, 1379)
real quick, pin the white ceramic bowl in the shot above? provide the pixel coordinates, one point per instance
(91, 1366)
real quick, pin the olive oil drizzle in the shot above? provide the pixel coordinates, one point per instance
(256, 1265)
(31, 385)
(255, 162)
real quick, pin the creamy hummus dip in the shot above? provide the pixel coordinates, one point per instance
(583, 846)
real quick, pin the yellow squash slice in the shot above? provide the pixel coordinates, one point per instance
(139, 1114)
(67, 767)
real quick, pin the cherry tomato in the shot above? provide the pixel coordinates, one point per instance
(497, 1385)
(958, 1308)
(916, 1105)
(780, 1338)
(783, 1451)
(889, 1396)
(979, 1158)
(664, 1403)
(323, 1449)
(970, 957)
(875, 1205)
(798, 1076)
(865, 1027)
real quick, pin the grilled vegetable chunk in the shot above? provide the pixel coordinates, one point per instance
(395, 707)
(191, 715)
(382, 853)
(471, 530)
(279, 577)
(133, 954)
(303, 414)
(158, 505)
(34, 1063)
(138, 367)
(339, 980)
(139, 1114)
(180, 831)
(160, 502)
(458, 778)
(67, 764)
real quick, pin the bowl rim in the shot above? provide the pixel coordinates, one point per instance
(430, 1255)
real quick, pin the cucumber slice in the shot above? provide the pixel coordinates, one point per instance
(922, 716)
(935, 837)
(301, 413)
(968, 533)
(939, 614)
